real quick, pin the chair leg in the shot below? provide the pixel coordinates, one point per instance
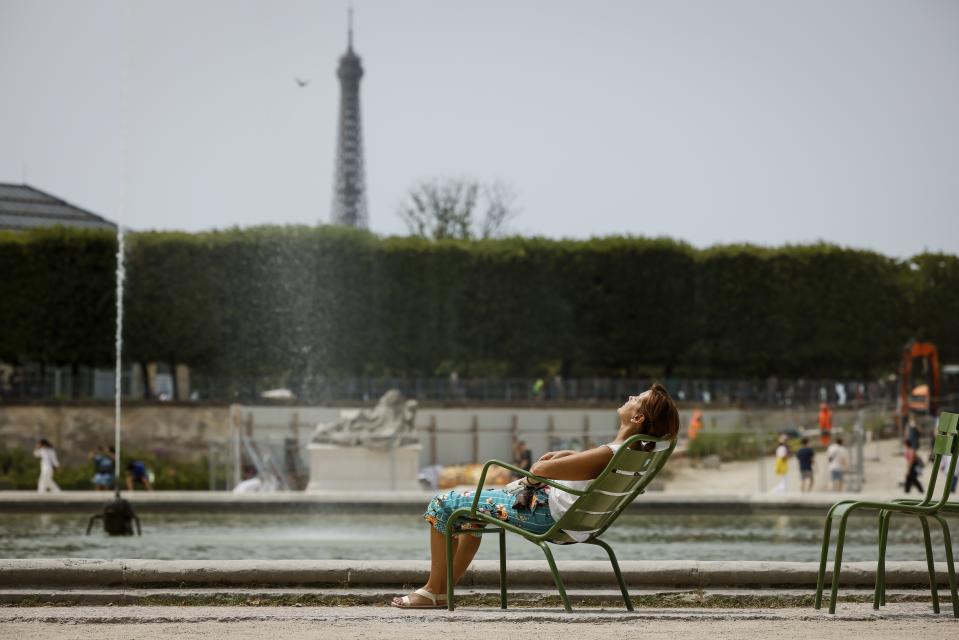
(449, 564)
(556, 578)
(823, 557)
(619, 574)
(930, 563)
(880, 597)
(837, 565)
(875, 597)
(502, 568)
(950, 566)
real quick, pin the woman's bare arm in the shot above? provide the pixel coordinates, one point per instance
(584, 465)
(552, 455)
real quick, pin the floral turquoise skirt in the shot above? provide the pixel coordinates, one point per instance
(493, 502)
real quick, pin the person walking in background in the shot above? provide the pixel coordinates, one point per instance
(806, 458)
(782, 465)
(838, 458)
(49, 463)
(825, 424)
(913, 466)
(912, 432)
(695, 425)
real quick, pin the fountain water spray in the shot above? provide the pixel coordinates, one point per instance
(118, 516)
(117, 412)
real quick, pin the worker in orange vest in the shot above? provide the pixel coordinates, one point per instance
(695, 424)
(825, 424)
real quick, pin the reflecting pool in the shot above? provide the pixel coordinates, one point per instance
(325, 535)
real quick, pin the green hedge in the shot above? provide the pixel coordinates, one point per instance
(736, 445)
(57, 296)
(289, 302)
(19, 470)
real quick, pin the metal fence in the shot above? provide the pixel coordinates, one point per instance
(768, 392)
(32, 382)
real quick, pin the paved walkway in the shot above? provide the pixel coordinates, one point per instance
(895, 622)
(884, 469)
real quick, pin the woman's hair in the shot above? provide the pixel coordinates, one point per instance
(660, 413)
(45, 443)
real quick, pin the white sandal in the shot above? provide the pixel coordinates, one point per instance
(432, 597)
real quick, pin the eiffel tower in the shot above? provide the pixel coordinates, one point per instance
(349, 187)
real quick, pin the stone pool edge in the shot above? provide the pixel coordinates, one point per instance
(346, 574)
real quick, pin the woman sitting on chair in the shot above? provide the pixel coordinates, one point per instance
(652, 413)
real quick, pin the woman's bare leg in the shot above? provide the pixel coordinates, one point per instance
(464, 549)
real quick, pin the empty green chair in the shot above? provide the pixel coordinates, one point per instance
(626, 476)
(946, 443)
(947, 427)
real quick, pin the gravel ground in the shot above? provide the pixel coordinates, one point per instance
(646, 629)
(292, 623)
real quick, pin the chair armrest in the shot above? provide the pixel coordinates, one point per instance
(843, 508)
(522, 472)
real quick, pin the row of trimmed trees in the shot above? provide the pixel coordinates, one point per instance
(293, 301)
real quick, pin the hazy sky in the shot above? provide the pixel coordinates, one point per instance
(710, 121)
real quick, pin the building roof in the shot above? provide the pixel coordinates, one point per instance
(23, 207)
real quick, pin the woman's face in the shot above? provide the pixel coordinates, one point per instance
(631, 407)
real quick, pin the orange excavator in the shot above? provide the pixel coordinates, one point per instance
(924, 396)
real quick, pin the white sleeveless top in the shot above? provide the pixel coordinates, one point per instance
(560, 501)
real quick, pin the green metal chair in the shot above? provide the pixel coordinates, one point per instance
(946, 442)
(940, 448)
(626, 476)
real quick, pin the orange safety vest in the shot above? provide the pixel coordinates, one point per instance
(695, 425)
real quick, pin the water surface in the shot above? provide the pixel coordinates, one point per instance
(321, 536)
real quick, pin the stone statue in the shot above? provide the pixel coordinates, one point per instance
(386, 426)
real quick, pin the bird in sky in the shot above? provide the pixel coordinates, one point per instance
(301, 82)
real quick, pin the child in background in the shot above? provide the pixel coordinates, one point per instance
(782, 465)
(137, 474)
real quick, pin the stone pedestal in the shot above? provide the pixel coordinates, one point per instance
(336, 468)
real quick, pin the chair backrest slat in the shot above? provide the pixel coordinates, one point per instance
(595, 501)
(615, 483)
(586, 521)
